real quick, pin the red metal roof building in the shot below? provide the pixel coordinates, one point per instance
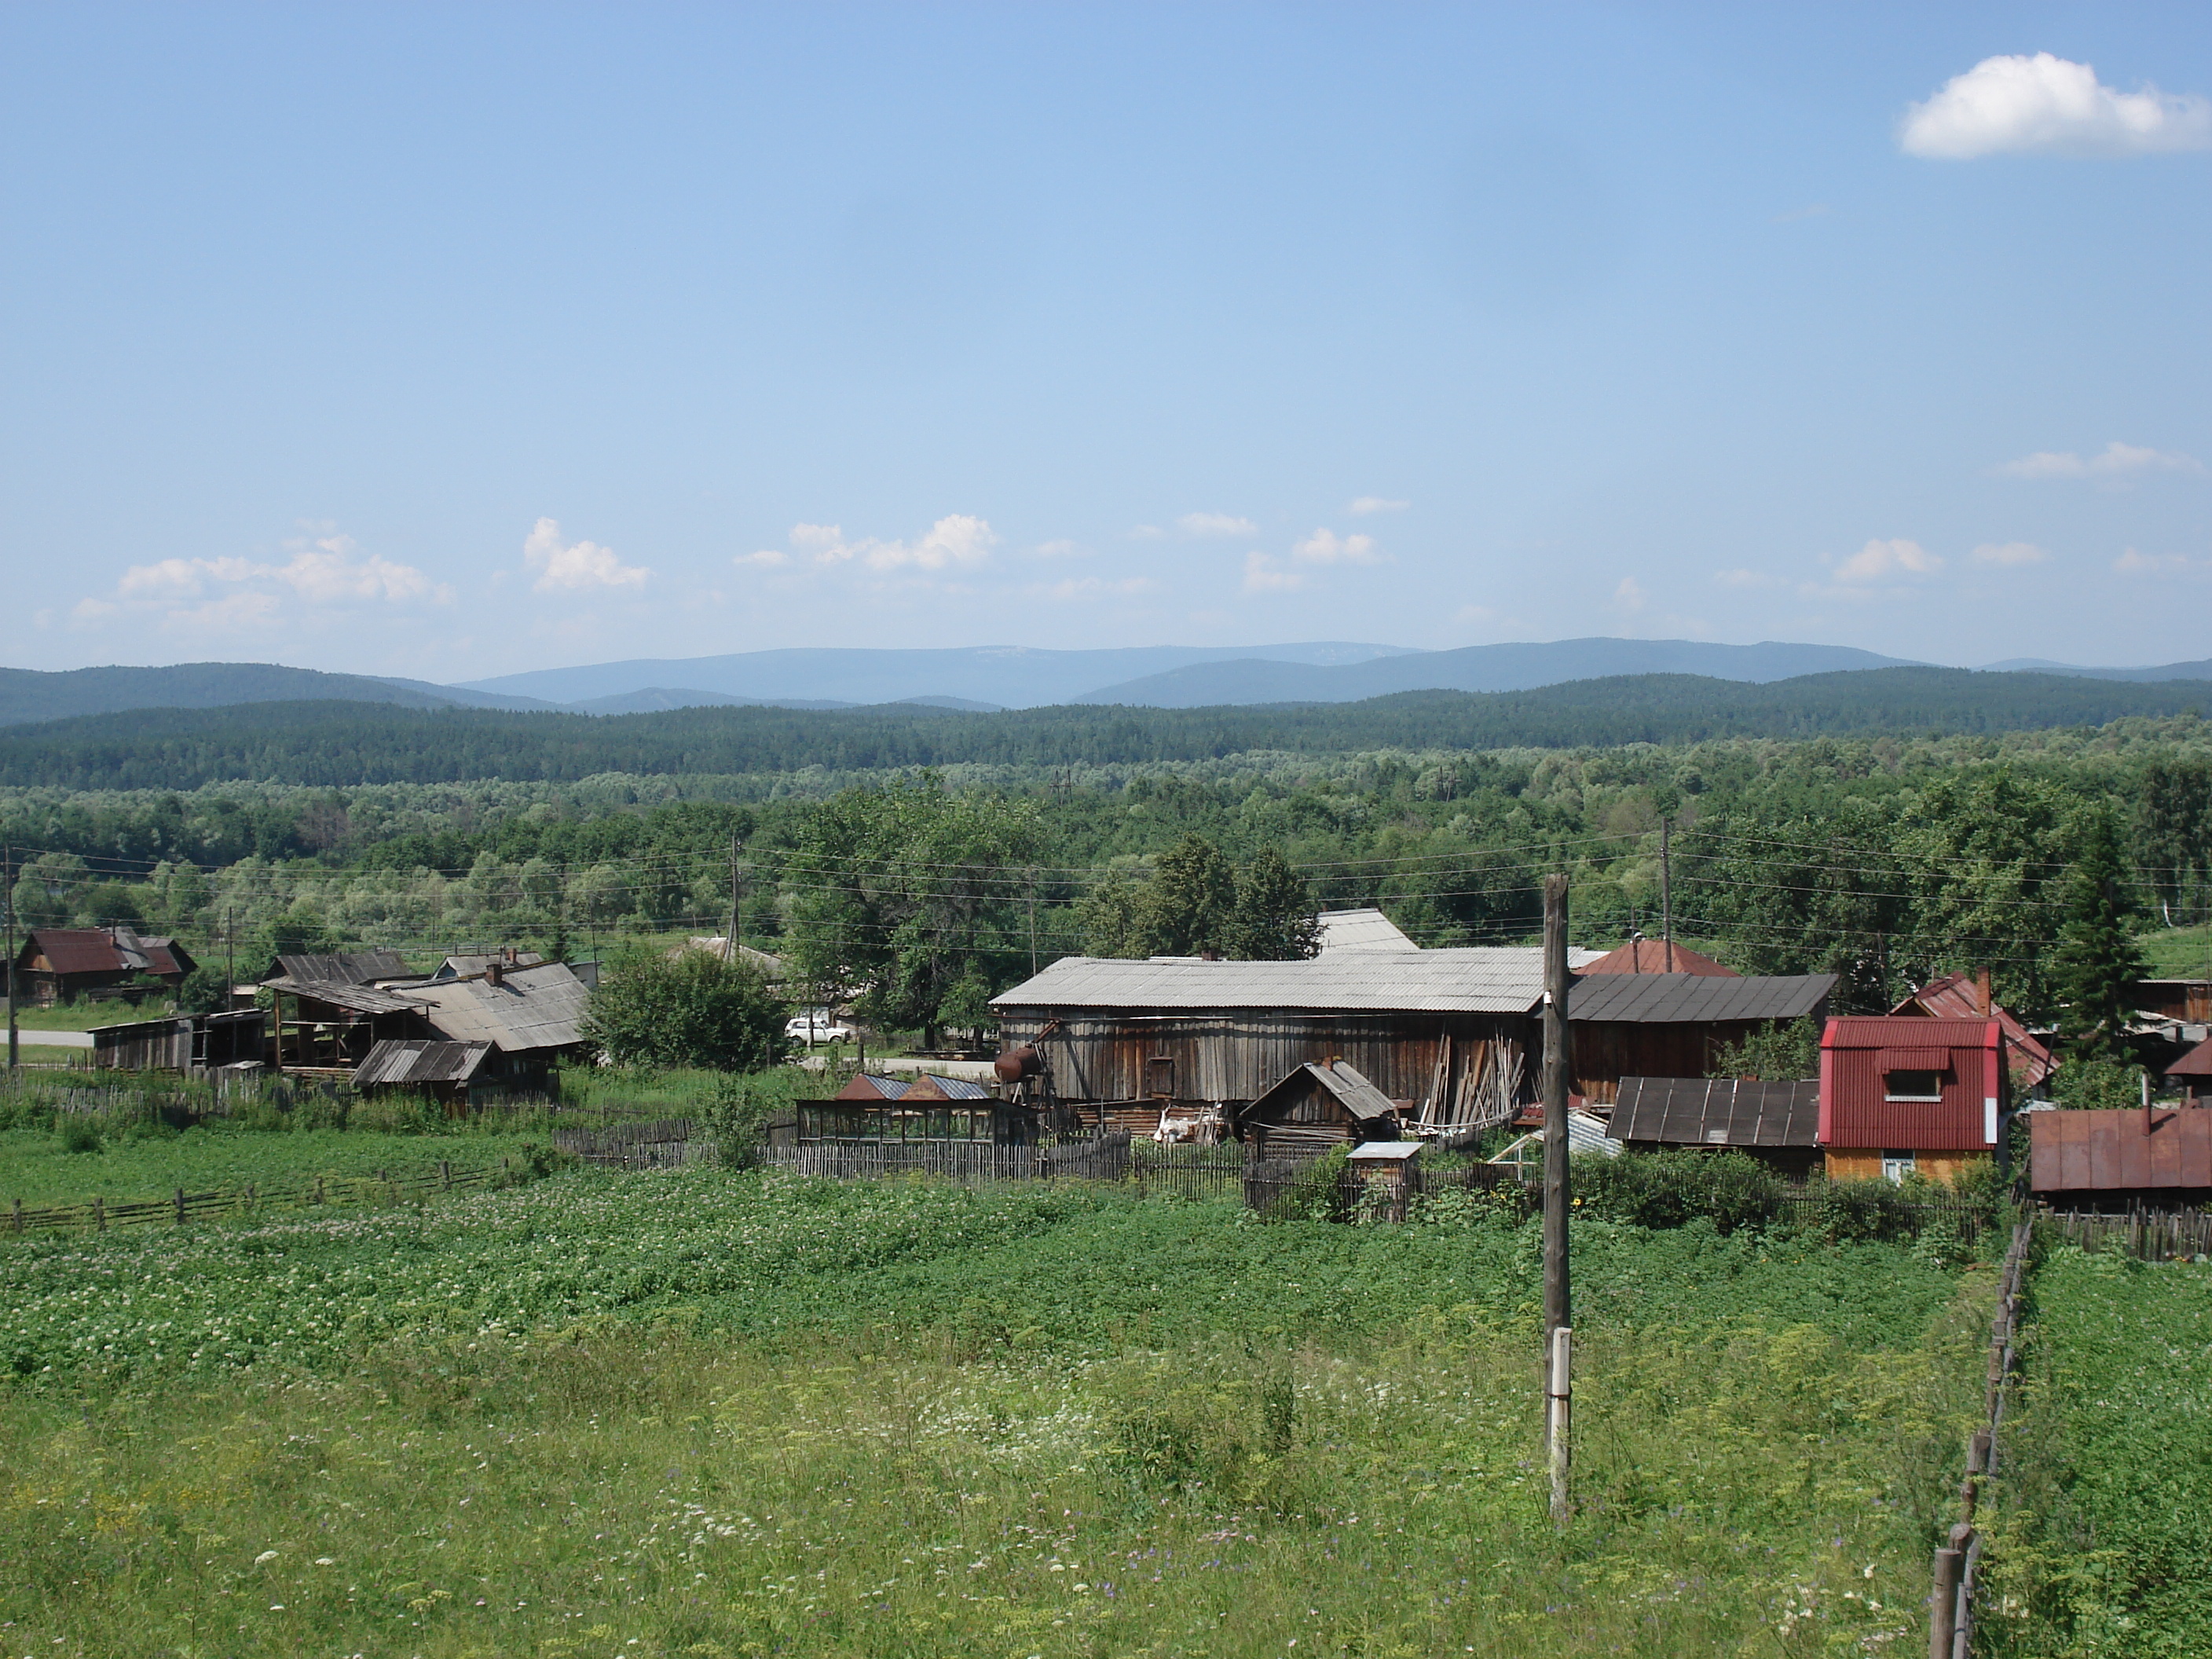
(1966, 996)
(1901, 1094)
(56, 962)
(2193, 1071)
(2090, 1160)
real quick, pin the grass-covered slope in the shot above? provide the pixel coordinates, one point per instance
(703, 1414)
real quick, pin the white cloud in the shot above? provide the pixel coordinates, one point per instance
(2134, 563)
(1059, 549)
(1216, 524)
(957, 540)
(329, 569)
(1879, 559)
(2009, 553)
(326, 571)
(2118, 463)
(2049, 106)
(1629, 595)
(768, 558)
(1366, 504)
(1327, 547)
(577, 566)
(1096, 587)
(1145, 532)
(1262, 575)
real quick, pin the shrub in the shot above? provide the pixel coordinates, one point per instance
(2093, 1084)
(1668, 1189)
(80, 1134)
(693, 1009)
(738, 1117)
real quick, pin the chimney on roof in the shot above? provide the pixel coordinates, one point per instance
(495, 972)
(1209, 954)
(1981, 992)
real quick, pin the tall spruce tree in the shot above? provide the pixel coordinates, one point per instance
(2097, 962)
(1275, 920)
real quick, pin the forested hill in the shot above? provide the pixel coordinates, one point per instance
(349, 744)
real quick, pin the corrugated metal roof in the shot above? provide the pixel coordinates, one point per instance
(2087, 1151)
(1361, 930)
(871, 1085)
(396, 1063)
(1657, 956)
(1696, 1111)
(1696, 999)
(1472, 980)
(345, 967)
(540, 1007)
(1904, 1031)
(1385, 1152)
(341, 993)
(930, 1085)
(1585, 1134)
(461, 966)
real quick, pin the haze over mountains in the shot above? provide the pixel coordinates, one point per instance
(979, 677)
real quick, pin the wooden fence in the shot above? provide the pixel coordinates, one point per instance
(2151, 1235)
(299, 1192)
(1107, 1159)
(662, 1144)
(1958, 1559)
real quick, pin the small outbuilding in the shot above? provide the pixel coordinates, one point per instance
(59, 964)
(2192, 1073)
(2117, 1159)
(449, 1073)
(1902, 1096)
(1316, 1106)
(1777, 1123)
(928, 1108)
(180, 1042)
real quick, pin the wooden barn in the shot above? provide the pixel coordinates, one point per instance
(2155, 1157)
(1113, 1042)
(1901, 1095)
(1777, 1123)
(1640, 1024)
(447, 1072)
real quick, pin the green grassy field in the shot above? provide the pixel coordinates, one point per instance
(83, 1016)
(2108, 1516)
(703, 1413)
(2179, 952)
(37, 1166)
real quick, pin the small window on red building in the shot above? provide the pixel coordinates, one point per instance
(1912, 1086)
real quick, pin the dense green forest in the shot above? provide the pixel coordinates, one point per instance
(1882, 859)
(347, 743)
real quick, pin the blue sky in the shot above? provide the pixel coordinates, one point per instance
(451, 341)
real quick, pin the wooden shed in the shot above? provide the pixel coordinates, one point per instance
(1777, 1123)
(1901, 1095)
(2113, 1160)
(2192, 1073)
(1630, 1024)
(449, 1073)
(1316, 1106)
(180, 1042)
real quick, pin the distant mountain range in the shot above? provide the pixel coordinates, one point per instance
(978, 677)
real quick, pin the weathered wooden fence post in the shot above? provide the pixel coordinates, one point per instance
(180, 1206)
(1943, 1601)
(100, 1213)
(444, 1174)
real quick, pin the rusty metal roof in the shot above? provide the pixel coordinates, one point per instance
(1657, 956)
(79, 951)
(2197, 1062)
(1697, 998)
(1957, 996)
(2085, 1152)
(1470, 979)
(1719, 1111)
(415, 1061)
(1361, 930)
(1905, 1032)
(540, 1007)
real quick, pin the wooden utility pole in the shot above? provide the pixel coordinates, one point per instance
(736, 847)
(8, 878)
(1558, 1073)
(1667, 891)
(1033, 950)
